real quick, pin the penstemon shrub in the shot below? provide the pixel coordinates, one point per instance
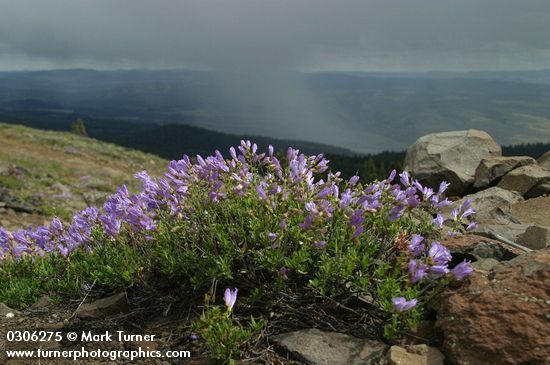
(258, 221)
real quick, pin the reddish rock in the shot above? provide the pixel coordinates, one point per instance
(501, 317)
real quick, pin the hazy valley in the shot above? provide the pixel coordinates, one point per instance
(359, 112)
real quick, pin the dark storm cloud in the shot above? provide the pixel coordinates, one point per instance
(284, 34)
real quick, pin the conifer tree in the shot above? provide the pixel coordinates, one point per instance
(78, 128)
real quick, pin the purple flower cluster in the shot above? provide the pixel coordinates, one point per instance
(53, 239)
(130, 208)
(261, 176)
(462, 215)
(433, 263)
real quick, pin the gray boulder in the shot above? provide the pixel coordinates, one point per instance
(532, 236)
(544, 160)
(491, 169)
(450, 156)
(103, 307)
(535, 211)
(415, 355)
(540, 189)
(6, 311)
(492, 206)
(313, 346)
(530, 181)
(535, 237)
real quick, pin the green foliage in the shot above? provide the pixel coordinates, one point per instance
(228, 241)
(113, 265)
(222, 335)
(55, 210)
(10, 182)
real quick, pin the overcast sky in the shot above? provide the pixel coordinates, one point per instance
(372, 35)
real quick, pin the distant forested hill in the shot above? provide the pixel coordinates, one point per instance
(172, 141)
(534, 150)
(169, 141)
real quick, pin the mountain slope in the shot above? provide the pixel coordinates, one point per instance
(46, 173)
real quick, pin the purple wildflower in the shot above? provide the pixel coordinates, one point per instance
(230, 297)
(454, 214)
(324, 193)
(261, 193)
(439, 254)
(471, 226)
(358, 230)
(416, 271)
(395, 213)
(438, 220)
(320, 244)
(232, 153)
(307, 223)
(441, 204)
(468, 212)
(404, 177)
(111, 224)
(345, 199)
(354, 180)
(283, 271)
(443, 186)
(416, 247)
(402, 305)
(311, 207)
(357, 218)
(56, 226)
(439, 270)
(427, 192)
(462, 270)
(413, 201)
(466, 204)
